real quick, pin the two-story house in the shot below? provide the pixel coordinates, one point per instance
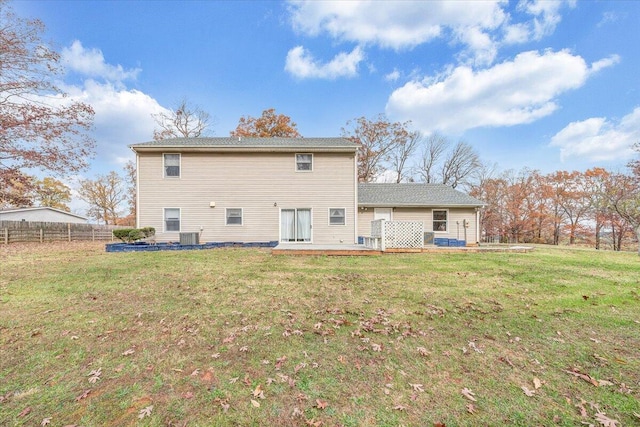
(282, 190)
(249, 189)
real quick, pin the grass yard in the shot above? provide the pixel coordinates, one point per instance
(241, 337)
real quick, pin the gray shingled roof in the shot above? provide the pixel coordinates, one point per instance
(248, 144)
(413, 195)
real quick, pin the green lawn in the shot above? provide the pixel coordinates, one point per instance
(241, 337)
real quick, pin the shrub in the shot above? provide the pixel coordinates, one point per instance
(129, 235)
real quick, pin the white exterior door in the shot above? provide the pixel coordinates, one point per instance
(382, 213)
(295, 225)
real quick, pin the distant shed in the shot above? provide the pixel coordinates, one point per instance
(41, 214)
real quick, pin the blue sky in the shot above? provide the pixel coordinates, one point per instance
(547, 85)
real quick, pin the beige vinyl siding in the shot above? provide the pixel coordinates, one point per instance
(424, 214)
(261, 184)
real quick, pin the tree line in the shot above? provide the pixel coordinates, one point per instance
(42, 129)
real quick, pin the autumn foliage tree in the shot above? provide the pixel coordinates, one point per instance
(105, 196)
(40, 127)
(185, 121)
(52, 193)
(268, 125)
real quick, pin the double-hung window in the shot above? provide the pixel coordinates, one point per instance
(171, 219)
(440, 220)
(234, 216)
(171, 165)
(304, 162)
(337, 216)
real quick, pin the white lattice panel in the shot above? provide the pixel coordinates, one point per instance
(403, 234)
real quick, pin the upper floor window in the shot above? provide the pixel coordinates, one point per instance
(171, 165)
(440, 220)
(304, 162)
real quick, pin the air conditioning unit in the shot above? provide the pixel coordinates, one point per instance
(190, 238)
(428, 237)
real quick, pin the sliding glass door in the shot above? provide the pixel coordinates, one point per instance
(295, 225)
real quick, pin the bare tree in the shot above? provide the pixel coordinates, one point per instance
(105, 196)
(402, 152)
(625, 200)
(435, 146)
(185, 121)
(459, 164)
(377, 138)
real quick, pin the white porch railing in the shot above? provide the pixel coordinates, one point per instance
(395, 235)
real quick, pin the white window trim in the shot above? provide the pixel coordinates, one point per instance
(164, 170)
(280, 226)
(446, 223)
(345, 218)
(295, 158)
(164, 220)
(226, 217)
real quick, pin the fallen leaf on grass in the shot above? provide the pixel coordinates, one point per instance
(605, 421)
(296, 413)
(321, 404)
(83, 395)
(417, 387)
(145, 412)
(422, 351)
(439, 425)
(46, 421)
(94, 375)
(468, 394)
(233, 380)
(587, 378)
(258, 392)
(636, 415)
(527, 392)
(128, 352)
(400, 408)
(255, 403)
(471, 408)
(188, 395)
(536, 383)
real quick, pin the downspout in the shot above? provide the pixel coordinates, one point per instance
(355, 202)
(137, 190)
(478, 226)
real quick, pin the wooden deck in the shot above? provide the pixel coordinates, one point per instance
(329, 250)
(360, 250)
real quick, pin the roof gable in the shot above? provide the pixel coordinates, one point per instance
(413, 195)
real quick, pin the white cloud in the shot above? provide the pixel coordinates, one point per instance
(389, 24)
(541, 19)
(392, 76)
(400, 26)
(604, 63)
(301, 64)
(514, 92)
(599, 139)
(91, 63)
(122, 117)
